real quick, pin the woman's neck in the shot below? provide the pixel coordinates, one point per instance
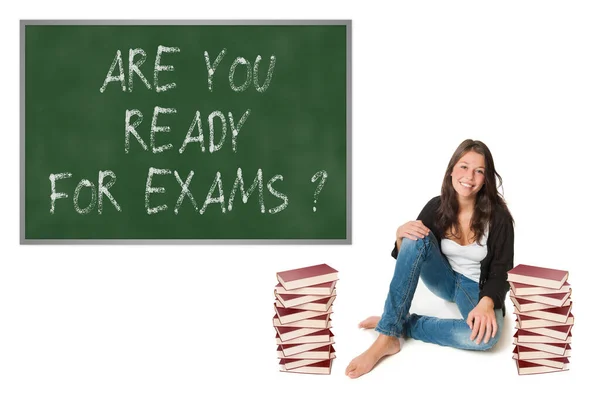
(465, 205)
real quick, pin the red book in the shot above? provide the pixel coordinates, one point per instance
(527, 322)
(289, 350)
(527, 353)
(321, 321)
(554, 348)
(287, 333)
(538, 276)
(286, 315)
(554, 362)
(521, 289)
(553, 299)
(322, 336)
(293, 300)
(322, 289)
(320, 367)
(307, 276)
(524, 305)
(291, 363)
(317, 305)
(557, 314)
(530, 367)
(524, 336)
(320, 353)
(558, 332)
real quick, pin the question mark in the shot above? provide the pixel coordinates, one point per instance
(323, 176)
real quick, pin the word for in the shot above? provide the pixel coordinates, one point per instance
(97, 195)
(130, 129)
(84, 183)
(252, 71)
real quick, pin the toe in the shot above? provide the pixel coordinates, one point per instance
(351, 367)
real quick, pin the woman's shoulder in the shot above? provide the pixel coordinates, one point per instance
(434, 202)
(428, 212)
(502, 215)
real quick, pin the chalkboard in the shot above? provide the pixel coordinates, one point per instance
(198, 131)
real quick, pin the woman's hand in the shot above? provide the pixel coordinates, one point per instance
(411, 230)
(482, 320)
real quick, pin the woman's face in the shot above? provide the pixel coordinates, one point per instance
(468, 175)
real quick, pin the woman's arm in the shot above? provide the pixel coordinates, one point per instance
(496, 285)
(482, 319)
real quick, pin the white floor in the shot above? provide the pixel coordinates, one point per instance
(426, 369)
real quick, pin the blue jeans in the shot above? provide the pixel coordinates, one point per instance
(422, 258)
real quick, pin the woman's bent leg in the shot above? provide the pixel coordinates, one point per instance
(414, 257)
(437, 276)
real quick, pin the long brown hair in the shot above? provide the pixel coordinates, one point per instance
(488, 197)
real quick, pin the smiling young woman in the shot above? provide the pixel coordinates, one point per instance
(461, 245)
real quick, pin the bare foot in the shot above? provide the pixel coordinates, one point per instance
(383, 346)
(369, 323)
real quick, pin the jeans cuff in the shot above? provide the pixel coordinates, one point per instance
(388, 332)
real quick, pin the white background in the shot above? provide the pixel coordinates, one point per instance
(183, 322)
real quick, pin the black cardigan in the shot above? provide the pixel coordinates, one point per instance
(500, 251)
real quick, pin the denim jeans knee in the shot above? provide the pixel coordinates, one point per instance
(415, 245)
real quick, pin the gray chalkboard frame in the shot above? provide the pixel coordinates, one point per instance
(347, 240)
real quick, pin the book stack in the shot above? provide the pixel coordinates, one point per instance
(302, 320)
(542, 304)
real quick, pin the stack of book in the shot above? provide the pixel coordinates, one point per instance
(303, 307)
(542, 304)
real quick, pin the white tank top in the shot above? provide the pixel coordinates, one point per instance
(466, 260)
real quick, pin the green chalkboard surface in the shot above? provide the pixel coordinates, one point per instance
(208, 131)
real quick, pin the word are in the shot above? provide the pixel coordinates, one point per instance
(211, 197)
(134, 68)
(130, 129)
(134, 65)
(103, 190)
